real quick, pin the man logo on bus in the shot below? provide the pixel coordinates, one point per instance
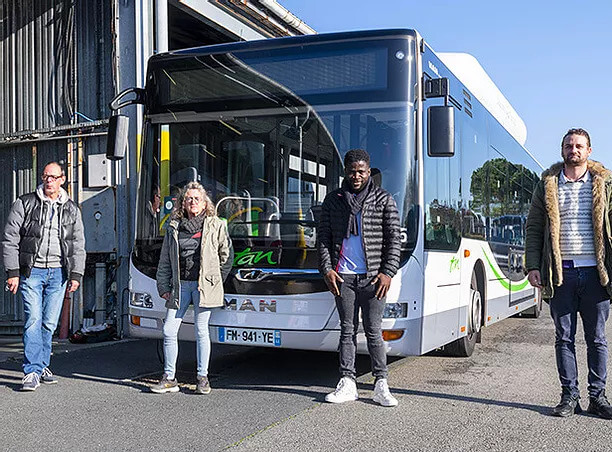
(247, 305)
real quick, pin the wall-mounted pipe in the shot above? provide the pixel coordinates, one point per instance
(161, 26)
(287, 16)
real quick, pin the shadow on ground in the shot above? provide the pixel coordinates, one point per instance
(137, 364)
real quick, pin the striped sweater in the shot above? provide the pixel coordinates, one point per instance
(576, 219)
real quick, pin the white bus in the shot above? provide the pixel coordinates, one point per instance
(264, 126)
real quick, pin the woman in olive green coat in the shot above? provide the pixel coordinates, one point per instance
(195, 259)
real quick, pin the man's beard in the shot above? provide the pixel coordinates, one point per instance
(569, 161)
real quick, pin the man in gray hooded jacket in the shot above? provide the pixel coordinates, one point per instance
(44, 251)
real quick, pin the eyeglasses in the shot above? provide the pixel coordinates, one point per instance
(193, 199)
(51, 177)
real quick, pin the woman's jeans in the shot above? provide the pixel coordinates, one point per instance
(581, 292)
(174, 317)
(42, 294)
(356, 292)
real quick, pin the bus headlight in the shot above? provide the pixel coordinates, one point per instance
(141, 300)
(395, 310)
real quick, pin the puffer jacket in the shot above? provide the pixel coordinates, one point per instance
(542, 247)
(380, 231)
(216, 258)
(24, 231)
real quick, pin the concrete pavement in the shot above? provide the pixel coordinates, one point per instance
(497, 400)
(263, 399)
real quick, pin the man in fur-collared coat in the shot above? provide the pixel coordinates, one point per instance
(569, 257)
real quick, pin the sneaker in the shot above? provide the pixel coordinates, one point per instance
(165, 385)
(382, 395)
(47, 377)
(203, 386)
(346, 391)
(567, 406)
(600, 406)
(30, 382)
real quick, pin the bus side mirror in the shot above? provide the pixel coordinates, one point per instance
(441, 131)
(117, 139)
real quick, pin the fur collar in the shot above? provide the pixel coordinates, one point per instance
(595, 168)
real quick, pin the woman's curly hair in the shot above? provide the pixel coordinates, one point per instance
(179, 212)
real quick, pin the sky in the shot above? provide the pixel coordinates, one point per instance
(551, 59)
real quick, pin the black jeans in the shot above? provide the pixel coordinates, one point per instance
(581, 293)
(356, 293)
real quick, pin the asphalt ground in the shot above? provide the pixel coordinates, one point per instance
(499, 399)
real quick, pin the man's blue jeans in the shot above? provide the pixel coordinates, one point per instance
(42, 294)
(581, 292)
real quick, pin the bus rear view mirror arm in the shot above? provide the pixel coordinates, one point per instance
(118, 125)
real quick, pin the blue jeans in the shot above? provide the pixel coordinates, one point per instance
(581, 292)
(356, 293)
(42, 294)
(174, 318)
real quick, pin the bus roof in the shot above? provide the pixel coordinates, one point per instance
(289, 41)
(464, 66)
(474, 77)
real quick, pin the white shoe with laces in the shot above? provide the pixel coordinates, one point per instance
(30, 382)
(382, 395)
(47, 377)
(346, 391)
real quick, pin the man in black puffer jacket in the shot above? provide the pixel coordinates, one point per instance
(359, 253)
(44, 251)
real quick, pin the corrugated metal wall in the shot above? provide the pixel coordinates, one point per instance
(56, 70)
(35, 77)
(94, 57)
(53, 52)
(16, 164)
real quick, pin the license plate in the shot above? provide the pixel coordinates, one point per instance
(249, 336)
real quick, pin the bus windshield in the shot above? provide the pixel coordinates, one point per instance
(267, 143)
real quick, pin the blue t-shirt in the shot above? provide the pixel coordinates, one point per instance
(352, 257)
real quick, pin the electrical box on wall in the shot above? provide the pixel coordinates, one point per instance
(98, 170)
(98, 210)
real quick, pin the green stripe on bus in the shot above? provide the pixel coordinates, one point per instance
(503, 282)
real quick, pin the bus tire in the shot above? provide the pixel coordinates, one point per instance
(464, 346)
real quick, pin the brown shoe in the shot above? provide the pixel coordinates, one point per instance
(165, 385)
(203, 386)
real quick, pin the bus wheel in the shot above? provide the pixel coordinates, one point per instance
(464, 346)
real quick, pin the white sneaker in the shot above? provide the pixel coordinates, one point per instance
(30, 382)
(47, 377)
(382, 395)
(346, 391)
